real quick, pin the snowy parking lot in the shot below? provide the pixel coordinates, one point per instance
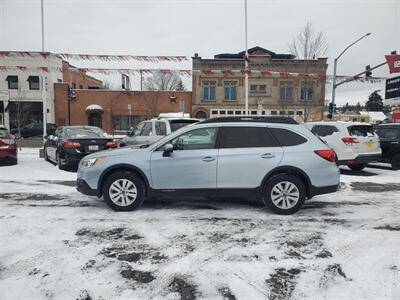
(56, 243)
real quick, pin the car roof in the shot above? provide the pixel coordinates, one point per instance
(251, 119)
(345, 123)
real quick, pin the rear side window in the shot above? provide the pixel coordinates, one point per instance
(178, 124)
(246, 137)
(287, 137)
(361, 130)
(389, 133)
(147, 128)
(161, 128)
(324, 130)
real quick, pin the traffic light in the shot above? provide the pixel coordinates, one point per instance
(71, 93)
(331, 110)
(368, 72)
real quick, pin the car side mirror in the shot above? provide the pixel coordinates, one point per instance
(168, 149)
(55, 138)
(50, 137)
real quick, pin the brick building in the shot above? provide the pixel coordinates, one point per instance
(78, 79)
(218, 85)
(116, 110)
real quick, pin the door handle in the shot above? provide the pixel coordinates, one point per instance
(208, 158)
(267, 155)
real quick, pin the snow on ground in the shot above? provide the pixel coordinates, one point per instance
(58, 244)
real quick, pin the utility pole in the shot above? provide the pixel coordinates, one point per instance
(334, 85)
(44, 100)
(246, 62)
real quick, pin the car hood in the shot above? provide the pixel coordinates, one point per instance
(117, 152)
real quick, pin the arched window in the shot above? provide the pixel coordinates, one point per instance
(201, 115)
(95, 119)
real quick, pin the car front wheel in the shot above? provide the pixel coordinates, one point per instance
(284, 194)
(124, 191)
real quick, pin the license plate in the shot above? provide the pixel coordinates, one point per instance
(93, 147)
(369, 145)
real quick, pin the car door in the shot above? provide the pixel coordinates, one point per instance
(191, 165)
(389, 141)
(246, 155)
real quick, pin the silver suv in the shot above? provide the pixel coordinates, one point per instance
(149, 132)
(272, 157)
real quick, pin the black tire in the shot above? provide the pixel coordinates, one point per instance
(396, 162)
(357, 167)
(281, 179)
(60, 165)
(114, 179)
(13, 161)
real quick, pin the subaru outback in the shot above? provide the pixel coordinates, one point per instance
(271, 157)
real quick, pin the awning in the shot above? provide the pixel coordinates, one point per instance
(94, 108)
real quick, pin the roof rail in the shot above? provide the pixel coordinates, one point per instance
(278, 119)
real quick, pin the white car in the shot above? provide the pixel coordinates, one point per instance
(150, 131)
(355, 143)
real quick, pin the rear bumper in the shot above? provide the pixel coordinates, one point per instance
(361, 159)
(8, 153)
(320, 190)
(84, 188)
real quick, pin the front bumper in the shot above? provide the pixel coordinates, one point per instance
(84, 188)
(361, 159)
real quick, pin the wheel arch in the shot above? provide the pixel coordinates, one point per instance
(121, 167)
(290, 170)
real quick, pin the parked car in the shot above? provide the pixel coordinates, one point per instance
(149, 132)
(70, 143)
(355, 143)
(34, 129)
(272, 157)
(389, 137)
(8, 147)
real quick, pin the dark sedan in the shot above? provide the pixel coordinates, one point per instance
(33, 129)
(8, 147)
(70, 143)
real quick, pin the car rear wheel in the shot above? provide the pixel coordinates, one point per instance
(123, 191)
(357, 167)
(396, 162)
(59, 163)
(284, 194)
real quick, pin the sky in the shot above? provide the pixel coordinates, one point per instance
(185, 27)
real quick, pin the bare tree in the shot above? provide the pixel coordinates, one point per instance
(152, 100)
(22, 110)
(164, 81)
(308, 45)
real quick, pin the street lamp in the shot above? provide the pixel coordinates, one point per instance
(246, 62)
(335, 68)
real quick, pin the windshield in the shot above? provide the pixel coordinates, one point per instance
(361, 130)
(82, 133)
(3, 132)
(178, 124)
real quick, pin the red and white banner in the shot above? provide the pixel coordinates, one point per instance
(93, 57)
(393, 62)
(207, 72)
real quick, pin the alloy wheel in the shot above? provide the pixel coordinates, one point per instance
(123, 192)
(285, 195)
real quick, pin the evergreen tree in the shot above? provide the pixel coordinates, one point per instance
(375, 102)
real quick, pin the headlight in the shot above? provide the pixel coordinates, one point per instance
(90, 162)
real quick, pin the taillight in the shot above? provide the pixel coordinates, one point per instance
(328, 154)
(112, 144)
(349, 141)
(70, 144)
(8, 141)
